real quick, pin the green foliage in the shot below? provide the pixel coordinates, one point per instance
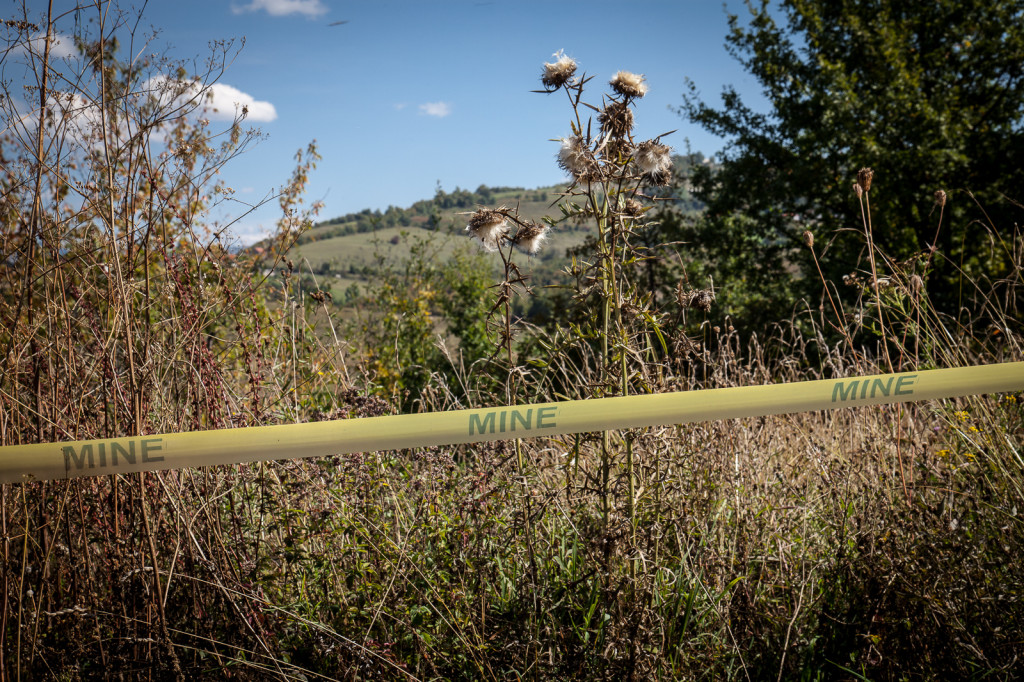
(466, 278)
(413, 302)
(930, 97)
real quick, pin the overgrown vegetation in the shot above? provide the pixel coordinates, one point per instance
(929, 99)
(868, 543)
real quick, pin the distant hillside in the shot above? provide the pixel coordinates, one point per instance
(345, 250)
(431, 213)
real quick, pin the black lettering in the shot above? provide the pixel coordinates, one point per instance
(149, 445)
(482, 425)
(878, 384)
(905, 379)
(840, 394)
(118, 449)
(546, 413)
(78, 461)
(525, 421)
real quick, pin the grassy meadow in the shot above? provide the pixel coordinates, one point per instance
(879, 543)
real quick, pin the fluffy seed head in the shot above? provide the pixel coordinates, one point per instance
(864, 176)
(654, 160)
(858, 190)
(629, 84)
(809, 238)
(616, 119)
(559, 72)
(488, 227)
(576, 158)
(530, 237)
(940, 197)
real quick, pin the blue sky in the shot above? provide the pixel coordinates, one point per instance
(407, 94)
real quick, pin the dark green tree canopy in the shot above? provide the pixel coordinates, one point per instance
(929, 95)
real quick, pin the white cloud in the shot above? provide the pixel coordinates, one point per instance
(82, 118)
(280, 8)
(228, 100)
(248, 233)
(439, 109)
(61, 46)
(219, 101)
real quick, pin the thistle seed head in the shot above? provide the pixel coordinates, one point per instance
(864, 176)
(559, 72)
(858, 190)
(940, 197)
(489, 227)
(654, 160)
(701, 299)
(616, 120)
(530, 237)
(629, 84)
(633, 208)
(809, 239)
(576, 158)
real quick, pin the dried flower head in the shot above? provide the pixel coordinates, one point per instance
(559, 72)
(916, 284)
(616, 119)
(940, 197)
(576, 158)
(488, 227)
(633, 208)
(809, 238)
(864, 176)
(617, 150)
(530, 237)
(858, 190)
(654, 160)
(701, 299)
(629, 84)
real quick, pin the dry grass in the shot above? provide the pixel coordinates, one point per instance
(870, 543)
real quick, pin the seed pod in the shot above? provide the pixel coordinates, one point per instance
(864, 176)
(629, 84)
(488, 227)
(616, 119)
(558, 73)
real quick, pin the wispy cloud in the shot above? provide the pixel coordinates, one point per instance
(280, 8)
(439, 109)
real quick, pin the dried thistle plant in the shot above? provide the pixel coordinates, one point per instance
(610, 172)
(578, 160)
(489, 228)
(864, 176)
(655, 161)
(629, 85)
(616, 120)
(559, 72)
(501, 230)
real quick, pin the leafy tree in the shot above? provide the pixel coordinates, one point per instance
(930, 97)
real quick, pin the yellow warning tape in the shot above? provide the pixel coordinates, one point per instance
(47, 461)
